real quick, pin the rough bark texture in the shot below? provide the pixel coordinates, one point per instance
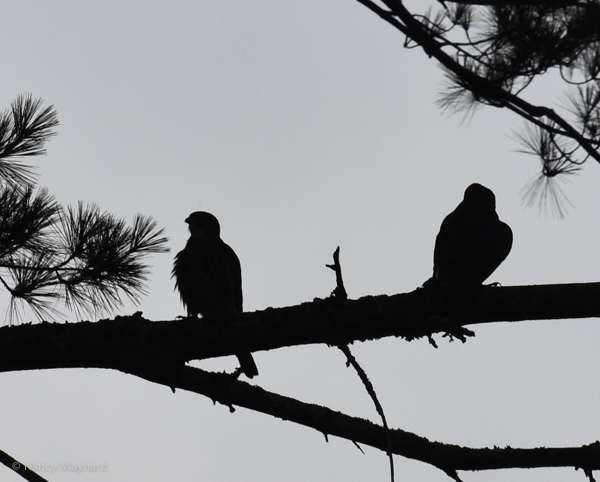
(127, 341)
(157, 351)
(227, 390)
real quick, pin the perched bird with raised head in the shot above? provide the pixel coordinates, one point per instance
(208, 276)
(472, 241)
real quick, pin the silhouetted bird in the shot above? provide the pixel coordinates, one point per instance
(208, 276)
(472, 241)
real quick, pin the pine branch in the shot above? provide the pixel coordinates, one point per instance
(513, 43)
(80, 256)
(403, 20)
(157, 351)
(24, 217)
(130, 340)
(23, 132)
(229, 391)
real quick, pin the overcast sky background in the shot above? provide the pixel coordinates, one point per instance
(302, 126)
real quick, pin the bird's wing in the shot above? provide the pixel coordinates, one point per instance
(233, 269)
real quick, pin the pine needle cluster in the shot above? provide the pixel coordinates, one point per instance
(50, 255)
(509, 45)
(494, 50)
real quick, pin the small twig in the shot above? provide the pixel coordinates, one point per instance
(371, 391)
(339, 292)
(453, 475)
(358, 447)
(588, 473)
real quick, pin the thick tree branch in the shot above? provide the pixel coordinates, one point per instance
(157, 352)
(229, 391)
(124, 341)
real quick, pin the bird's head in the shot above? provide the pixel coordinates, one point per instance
(203, 224)
(480, 197)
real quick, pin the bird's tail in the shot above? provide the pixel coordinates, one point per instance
(247, 364)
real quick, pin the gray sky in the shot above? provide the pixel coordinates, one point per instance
(302, 126)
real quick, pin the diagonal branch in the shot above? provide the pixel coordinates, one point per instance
(20, 468)
(229, 391)
(351, 360)
(156, 351)
(399, 17)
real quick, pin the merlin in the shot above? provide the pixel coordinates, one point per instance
(208, 276)
(472, 241)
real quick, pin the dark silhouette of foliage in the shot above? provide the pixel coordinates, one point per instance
(493, 51)
(23, 132)
(50, 254)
